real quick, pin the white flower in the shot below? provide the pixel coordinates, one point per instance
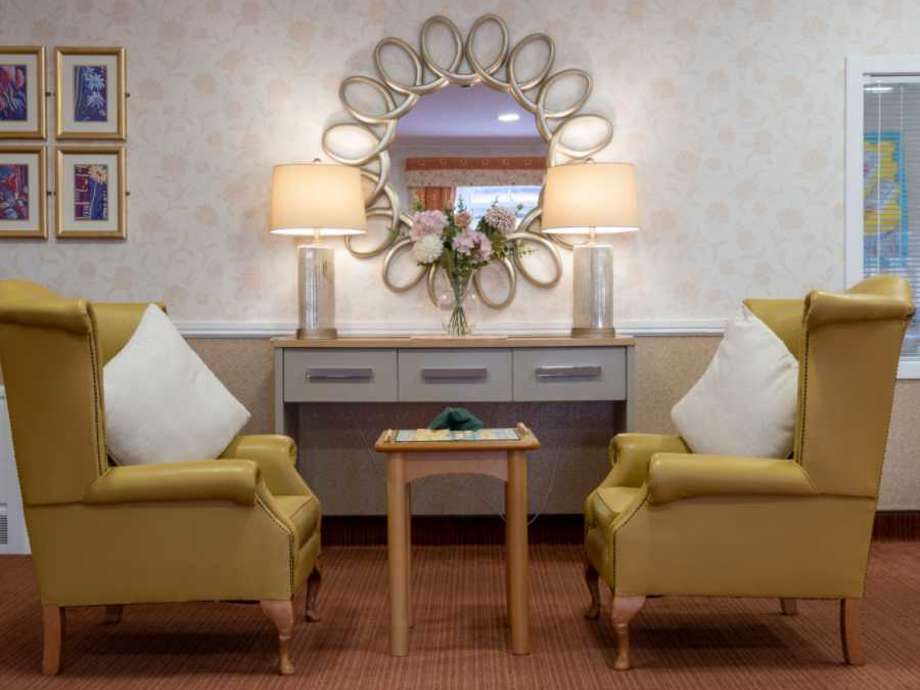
(428, 249)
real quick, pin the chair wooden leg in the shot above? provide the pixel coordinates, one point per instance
(851, 631)
(591, 580)
(790, 607)
(113, 614)
(281, 613)
(53, 632)
(314, 582)
(623, 610)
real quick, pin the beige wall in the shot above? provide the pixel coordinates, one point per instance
(577, 433)
(731, 109)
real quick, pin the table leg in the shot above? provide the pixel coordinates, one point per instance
(409, 616)
(396, 552)
(507, 554)
(516, 516)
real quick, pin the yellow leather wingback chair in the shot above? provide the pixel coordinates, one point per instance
(669, 522)
(244, 527)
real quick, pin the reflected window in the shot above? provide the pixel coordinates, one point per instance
(477, 200)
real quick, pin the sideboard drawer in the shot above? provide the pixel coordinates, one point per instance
(340, 375)
(454, 376)
(571, 373)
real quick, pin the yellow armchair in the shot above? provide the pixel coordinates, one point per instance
(242, 527)
(666, 521)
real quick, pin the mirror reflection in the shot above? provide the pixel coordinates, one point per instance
(471, 146)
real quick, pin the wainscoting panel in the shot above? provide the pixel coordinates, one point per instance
(667, 366)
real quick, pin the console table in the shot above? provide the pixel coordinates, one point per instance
(452, 371)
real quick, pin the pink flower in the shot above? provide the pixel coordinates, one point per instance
(502, 219)
(485, 247)
(427, 223)
(466, 241)
(463, 219)
(470, 239)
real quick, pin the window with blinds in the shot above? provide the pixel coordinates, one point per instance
(891, 185)
(520, 198)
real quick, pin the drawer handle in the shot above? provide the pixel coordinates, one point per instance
(467, 374)
(569, 372)
(335, 374)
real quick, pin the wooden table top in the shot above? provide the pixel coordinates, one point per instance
(434, 341)
(386, 443)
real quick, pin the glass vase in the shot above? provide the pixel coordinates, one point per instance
(458, 305)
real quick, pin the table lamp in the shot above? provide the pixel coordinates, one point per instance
(591, 199)
(316, 200)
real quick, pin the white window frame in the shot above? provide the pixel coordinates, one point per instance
(857, 69)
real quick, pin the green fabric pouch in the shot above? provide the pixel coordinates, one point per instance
(456, 419)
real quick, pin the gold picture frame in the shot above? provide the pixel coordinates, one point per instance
(37, 96)
(69, 197)
(36, 181)
(70, 125)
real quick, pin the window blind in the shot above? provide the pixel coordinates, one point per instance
(520, 198)
(891, 186)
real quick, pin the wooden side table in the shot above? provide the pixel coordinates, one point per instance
(504, 460)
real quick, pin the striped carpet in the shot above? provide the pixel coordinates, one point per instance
(459, 638)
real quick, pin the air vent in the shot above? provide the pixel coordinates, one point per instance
(4, 526)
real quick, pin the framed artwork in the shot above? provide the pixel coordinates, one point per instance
(91, 98)
(22, 92)
(91, 192)
(22, 192)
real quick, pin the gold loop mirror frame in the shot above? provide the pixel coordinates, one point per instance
(364, 141)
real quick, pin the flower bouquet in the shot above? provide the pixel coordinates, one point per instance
(447, 239)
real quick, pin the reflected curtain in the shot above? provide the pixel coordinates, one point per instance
(475, 171)
(434, 198)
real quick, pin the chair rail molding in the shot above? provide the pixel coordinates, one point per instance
(272, 329)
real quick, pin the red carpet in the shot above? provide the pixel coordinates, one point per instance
(459, 640)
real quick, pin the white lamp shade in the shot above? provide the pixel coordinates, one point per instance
(586, 198)
(317, 199)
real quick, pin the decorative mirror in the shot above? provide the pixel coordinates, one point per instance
(493, 118)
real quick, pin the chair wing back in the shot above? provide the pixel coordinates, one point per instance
(51, 366)
(117, 322)
(847, 372)
(783, 317)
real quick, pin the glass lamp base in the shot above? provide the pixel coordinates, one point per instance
(593, 332)
(316, 292)
(316, 334)
(592, 291)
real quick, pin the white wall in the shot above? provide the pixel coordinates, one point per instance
(10, 496)
(733, 112)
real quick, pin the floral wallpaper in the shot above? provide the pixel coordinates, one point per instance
(732, 110)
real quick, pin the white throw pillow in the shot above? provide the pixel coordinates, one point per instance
(744, 403)
(162, 404)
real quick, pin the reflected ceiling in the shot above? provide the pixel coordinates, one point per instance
(467, 113)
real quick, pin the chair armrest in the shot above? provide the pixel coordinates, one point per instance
(197, 480)
(275, 456)
(630, 455)
(673, 476)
